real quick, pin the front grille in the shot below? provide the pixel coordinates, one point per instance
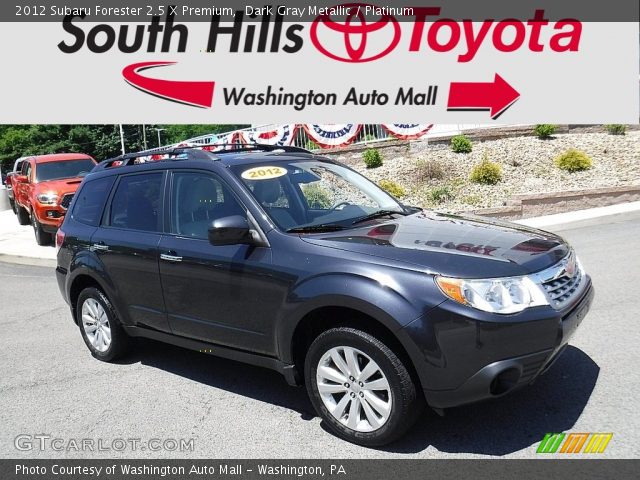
(562, 282)
(562, 289)
(66, 200)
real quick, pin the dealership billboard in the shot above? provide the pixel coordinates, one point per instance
(278, 63)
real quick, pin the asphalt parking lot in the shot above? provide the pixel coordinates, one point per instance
(50, 384)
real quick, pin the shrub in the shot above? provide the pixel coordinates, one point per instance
(441, 194)
(372, 158)
(472, 200)
(393, 188)
(574, 161)
(486, 172)
(429, 170)
(615, 129)
(461, 144)
(544, 130)
(317, 197)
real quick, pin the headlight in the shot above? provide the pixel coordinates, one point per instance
(47, 198)
(494, 295)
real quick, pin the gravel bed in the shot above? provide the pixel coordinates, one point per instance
(527, 167)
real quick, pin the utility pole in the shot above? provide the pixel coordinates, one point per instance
(160, 130)
(144, 136)
(122, 139)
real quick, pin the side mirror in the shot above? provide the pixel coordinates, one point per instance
(233, 230)
(22, 179)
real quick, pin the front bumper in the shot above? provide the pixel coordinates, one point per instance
(466, 360)
(50, 217)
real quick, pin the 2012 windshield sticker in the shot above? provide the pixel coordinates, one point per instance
(263, 173)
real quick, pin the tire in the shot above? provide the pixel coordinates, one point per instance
(12, 202)
(23, 215)
(42, 237)
(95, 303)
(389, 411)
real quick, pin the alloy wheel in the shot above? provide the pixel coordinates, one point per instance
(354, 389)
(96, 325)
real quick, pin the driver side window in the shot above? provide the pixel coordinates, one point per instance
(197, 200)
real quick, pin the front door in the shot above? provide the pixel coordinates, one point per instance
(219, 294)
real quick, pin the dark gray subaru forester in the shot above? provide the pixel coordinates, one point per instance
(287, 260)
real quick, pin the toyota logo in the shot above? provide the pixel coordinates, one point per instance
(357, 34)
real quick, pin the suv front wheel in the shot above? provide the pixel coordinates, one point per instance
(99, 326)
(360, 387)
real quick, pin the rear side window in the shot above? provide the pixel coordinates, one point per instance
(137, 201)
(89, 201)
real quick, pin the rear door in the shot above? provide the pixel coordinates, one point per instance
(127, 244)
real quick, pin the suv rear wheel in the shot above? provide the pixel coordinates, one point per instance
(23, 215)
(42, 237)
(360, 387)
(100, 326)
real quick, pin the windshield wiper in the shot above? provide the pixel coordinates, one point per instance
(323, 227)
(379, 213)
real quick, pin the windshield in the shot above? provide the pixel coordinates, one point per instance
(315, 195)
(63, 169)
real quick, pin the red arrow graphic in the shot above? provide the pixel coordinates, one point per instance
(196, 94)
(494, 96)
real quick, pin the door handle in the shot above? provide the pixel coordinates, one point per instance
(170, 258)
(100, 247)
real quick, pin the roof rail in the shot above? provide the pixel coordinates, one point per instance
(130, 158)
(243, 147)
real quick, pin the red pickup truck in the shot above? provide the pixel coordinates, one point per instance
(43, 190)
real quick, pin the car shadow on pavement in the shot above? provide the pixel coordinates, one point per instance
(235, 377)
(496, 427)
(514, 422)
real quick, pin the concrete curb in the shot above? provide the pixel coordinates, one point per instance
(32, 261)
(580, 218)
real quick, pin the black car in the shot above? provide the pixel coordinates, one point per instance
(288, 260)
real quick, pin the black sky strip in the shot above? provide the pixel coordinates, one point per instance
(612, 11)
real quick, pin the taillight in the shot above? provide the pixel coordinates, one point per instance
(59, 239)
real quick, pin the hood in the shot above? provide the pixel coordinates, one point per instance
(453, 245)
(59, 187)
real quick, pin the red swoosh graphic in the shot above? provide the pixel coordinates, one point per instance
(196, 94)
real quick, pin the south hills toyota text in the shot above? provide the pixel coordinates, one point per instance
(426, 30)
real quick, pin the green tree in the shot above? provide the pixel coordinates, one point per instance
(99, 141)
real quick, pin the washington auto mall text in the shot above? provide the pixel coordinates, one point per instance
(430, 32)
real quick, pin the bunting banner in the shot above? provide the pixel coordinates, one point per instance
(332, 135)
(323, 135)
(281, 135)
(407, 131)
